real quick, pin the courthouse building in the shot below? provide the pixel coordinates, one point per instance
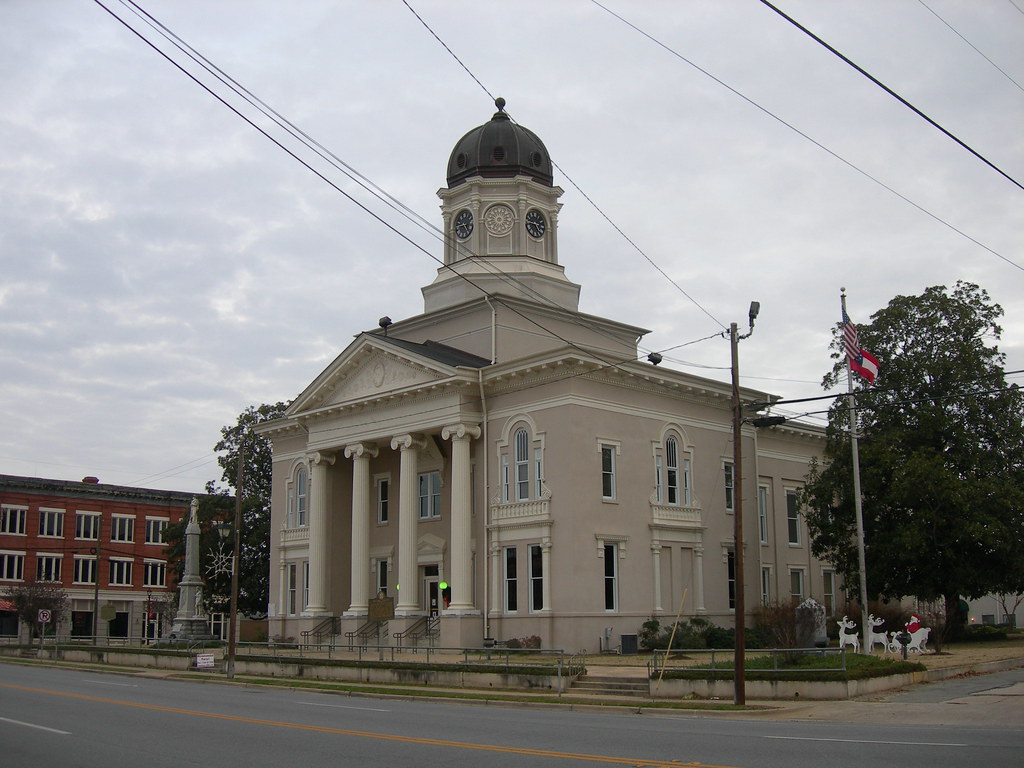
(504, 466)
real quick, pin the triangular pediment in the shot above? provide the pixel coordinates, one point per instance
(367, 370)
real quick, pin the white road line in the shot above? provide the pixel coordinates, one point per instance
(107, 682)
(869, 741)
(33, 725)
(341, 706)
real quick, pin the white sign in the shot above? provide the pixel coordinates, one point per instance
(204, 660)
(44, 616)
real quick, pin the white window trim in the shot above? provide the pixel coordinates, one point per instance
(114, 528)
(131, 575)
(730, 503)
(20, 554)
(53, 511)
(86, 560)
(146, 571)
(84, 513)
(763, 496)
(803, 581)
(23, 518)
(377, 480)
(615, 447)
(799, 521)
(507, 580)
(56, 556)
(531, 577)
(432, 512)
(163, 529)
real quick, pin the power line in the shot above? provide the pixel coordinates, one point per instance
(893, 93)
(976, 49)
(806, 136)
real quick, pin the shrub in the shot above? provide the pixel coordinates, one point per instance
(776, 622)
(983, 632)
(531, 642)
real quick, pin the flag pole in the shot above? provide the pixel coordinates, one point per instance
(857, 506)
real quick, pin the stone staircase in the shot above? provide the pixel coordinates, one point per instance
(612, 685)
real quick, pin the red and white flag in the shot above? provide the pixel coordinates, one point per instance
(862, 362)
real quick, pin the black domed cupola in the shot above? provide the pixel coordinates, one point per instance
(499, 149)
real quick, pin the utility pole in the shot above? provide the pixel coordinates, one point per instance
(96, 581)
(739, 655)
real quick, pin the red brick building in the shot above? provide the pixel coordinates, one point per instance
(70, 532)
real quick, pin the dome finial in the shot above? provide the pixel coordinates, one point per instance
(500, 104)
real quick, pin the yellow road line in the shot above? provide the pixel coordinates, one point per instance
(638, 762)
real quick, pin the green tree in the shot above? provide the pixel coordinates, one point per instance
(239, 439)
(941, 445)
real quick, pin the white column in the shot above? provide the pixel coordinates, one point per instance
(360, 453)
(698, 578)
(461, 517)
(319, 534)
(408, 519)
(656, 564)
(497, 587)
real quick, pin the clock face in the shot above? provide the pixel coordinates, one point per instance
(463, 225)
(535, 223)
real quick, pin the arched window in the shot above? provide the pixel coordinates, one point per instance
(521, 462)
(673, 479)
(522, 465)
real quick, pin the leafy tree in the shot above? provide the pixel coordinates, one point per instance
(33, 596)
(941, 445)
(218, 507)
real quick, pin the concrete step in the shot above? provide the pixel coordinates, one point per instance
(612, 686)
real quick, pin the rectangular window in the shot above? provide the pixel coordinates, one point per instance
(305, 584)
(48, 567)
(607, 471)
(687, 484)
(12, 566)
(730, 566)
(766, 585)
(301, 498)
(538, 472)
(12, 520)
(290, 515)
(87, 525)
(430, 495)
(730, 497)
(611, 577)
(793, 517)
(659, 486)
(536, 578)
(383, 499)
(291, 588)
(762, 513)
(120, 572)
(511, 581)
(155, 528)
(154, 573)
(505, 497)
(122, 528)
(382, 577)
(51, 522)
(796, 584)
(829, 579)
(85, 570)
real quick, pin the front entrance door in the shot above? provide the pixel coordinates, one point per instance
(431, 590)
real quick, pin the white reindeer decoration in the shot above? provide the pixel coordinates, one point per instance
(881, 638)
(848, 634)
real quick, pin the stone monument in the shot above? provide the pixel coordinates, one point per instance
(810, 625)
(191, 622)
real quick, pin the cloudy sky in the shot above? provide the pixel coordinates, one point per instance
(165, 265)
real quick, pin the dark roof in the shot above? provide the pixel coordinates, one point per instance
(438, 352)
(91, 490)
(499, 149)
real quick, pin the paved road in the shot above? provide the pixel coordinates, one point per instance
(990, 700)
(84, 719)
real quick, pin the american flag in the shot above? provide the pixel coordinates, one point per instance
(862, 362)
